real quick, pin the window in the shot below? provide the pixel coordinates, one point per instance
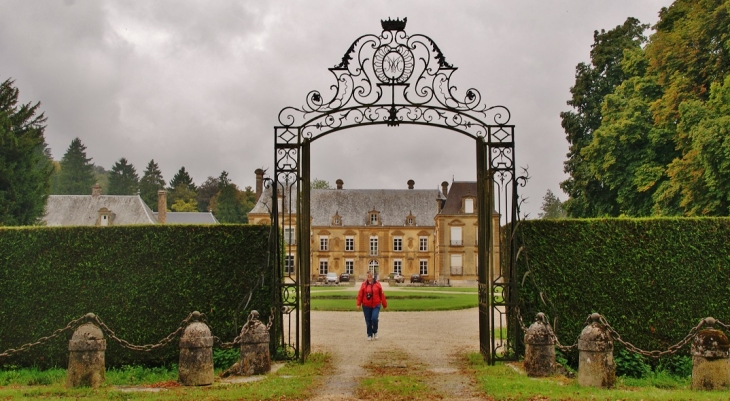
(349, 266)
(373, 267)
(398, 266)
(423, 244)
(468, 205)
(289, 264)
(324, 243)
(373, 246)
(456, 236)
(397, 244)
(373, 219)
(336, 221)
(323, 266)
(423, 267)
(350, 243)
(476, 235)
(290, 237)
(410, 220)
(456, 264)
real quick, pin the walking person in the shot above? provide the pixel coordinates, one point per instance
(371, 297)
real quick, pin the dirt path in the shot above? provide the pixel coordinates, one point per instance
(431, 339)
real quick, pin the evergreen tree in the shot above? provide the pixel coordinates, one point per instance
(25, 162)
(123, 179)
(182, 178)
(552, 207)
(181, 188)
(77, 171)
(150, 184)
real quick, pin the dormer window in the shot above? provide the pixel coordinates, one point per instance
(468, 205)
(411, 220)
(336, 220)
(374, 218)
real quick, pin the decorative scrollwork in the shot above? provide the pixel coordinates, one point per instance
(393, 78)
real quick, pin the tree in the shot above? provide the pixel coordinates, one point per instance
(206, 192)
(552, 207)
(319, 184)
(228, 208)
(123, 179)
(25, 162)
(101, 177)
(588, 195)
(150, 184)
(77, 172)
(181, 187)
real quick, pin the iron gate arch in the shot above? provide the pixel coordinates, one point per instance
(392, 79)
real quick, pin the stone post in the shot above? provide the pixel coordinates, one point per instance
(595, 359)
(196, 355)
(710, 360)
(86, 357)
(540, 348)
(255, 354)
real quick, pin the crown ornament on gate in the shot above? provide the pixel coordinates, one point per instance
(394, 25)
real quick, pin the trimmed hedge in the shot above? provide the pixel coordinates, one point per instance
(142, 281)
(653, 279)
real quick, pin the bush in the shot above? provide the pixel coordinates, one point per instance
(142, 281)
(653, 279)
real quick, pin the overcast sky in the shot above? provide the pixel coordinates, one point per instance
(200, 83)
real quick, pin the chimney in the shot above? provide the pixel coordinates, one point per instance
(445, 188)
(259, 182)
(96, 190)
(410, 184)
(339, 183)
(162, 206)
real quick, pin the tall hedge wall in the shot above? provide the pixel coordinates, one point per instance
(653, 279)
(142, 281)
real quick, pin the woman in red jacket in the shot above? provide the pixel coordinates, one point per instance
(371, 297)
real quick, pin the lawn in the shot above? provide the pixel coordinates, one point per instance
(408, 300)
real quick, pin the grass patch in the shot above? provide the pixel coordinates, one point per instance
(293, 381)
(501, 382)
(393, 377)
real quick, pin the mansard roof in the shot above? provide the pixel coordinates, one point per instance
(458, 190)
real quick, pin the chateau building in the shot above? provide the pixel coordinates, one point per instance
(405, 231)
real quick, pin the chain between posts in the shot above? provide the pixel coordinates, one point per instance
(25, 347)
(247, 327)
(561, 347)
(193, 316)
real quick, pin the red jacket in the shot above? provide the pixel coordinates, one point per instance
(377, 298)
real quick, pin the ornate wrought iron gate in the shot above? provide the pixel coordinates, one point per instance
(391, 79)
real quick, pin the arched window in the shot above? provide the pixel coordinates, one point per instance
(373, 266)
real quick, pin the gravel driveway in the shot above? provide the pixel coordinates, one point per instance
(431, 340)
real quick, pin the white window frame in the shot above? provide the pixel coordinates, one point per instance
(469, 205)
(349, 243)
(398, 266)
(289, 264)
(456, 238)
(350, 266)
(423, 243)
(323, 266)
(373, 219)
(397, 244)
(373, 265)
(457, 264)
(324, 243)
(290, 236)
(373, 246)
(423, 267)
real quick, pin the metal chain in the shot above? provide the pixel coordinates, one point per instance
(197, 316)
(561, 347)
(656, 353)
(244, 330)
(71, 325)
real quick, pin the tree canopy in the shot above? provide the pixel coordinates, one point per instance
(651, 141)
(150, 183)
(552, 207)
(25, 162)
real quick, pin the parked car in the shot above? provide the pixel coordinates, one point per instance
(345, 277)
(416, 278)
(332, 278)
(396, 277)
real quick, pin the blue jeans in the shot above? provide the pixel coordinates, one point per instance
(371, 319)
